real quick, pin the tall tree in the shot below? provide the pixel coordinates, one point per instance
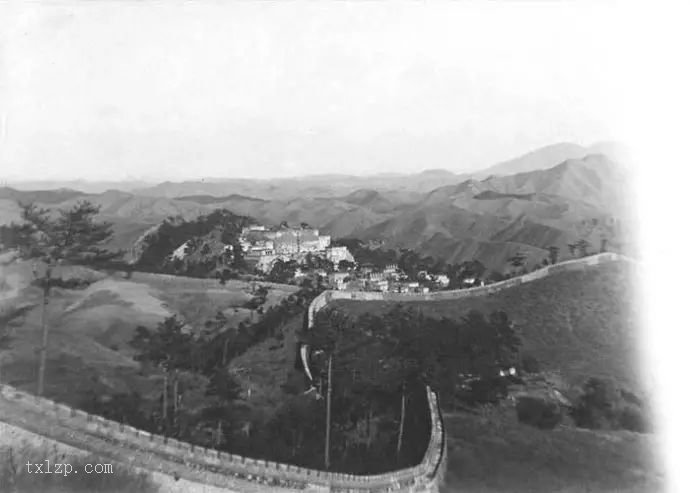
(553, 254)
(507, 341)
(602, 246)
(224, 390)
(170, 349)
(68, 237)
(582, 246)
(572, 247)
(6, 315)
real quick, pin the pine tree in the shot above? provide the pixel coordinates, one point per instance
(170, 349)
(553, 254)
(70, 237)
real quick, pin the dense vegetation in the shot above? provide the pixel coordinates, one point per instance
(413, 263)
(602, 405)
(205, 254)
(198, 400)
(581, 323)
(380, 361)
(380, 367)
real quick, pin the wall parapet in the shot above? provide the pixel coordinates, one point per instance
(433, 465)
(569, 265)
(189, 457)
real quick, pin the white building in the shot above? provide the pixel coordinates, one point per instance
(442, 280)
(253, 228)
(324, 242)
(337, 280)
(338, 254)
(378, 285)
(401, 288)
(264, 263)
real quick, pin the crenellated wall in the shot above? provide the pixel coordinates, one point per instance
(576, 264)
(180, 466)
(154, 453)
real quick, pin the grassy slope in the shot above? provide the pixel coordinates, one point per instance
(90, 328)
(495, 454)
(265, 367)
(581, 323)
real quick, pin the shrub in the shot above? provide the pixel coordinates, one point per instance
(603, 406)
(538, 412)
(633, 419)
(486, 391)
(530, 364)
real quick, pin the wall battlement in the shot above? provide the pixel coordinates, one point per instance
(228, 472)
(570, 265)
(189, 461)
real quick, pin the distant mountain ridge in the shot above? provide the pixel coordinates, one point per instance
(44, 196)
(455, 217)
(210, 199)
(492, 219)
(542, 158)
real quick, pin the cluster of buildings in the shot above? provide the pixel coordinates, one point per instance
(263, 246)
(390, 279)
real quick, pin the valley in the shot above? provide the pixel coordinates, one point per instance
(196, 326)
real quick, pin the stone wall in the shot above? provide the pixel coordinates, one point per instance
(33, 447)
(169, 457)
(577, 264)
(200, 469)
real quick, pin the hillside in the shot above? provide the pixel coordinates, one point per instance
(90, 328)
(496, 454)
(578, 323)
(576, 199)
(204, 238)
(553, 196)
(44, 196)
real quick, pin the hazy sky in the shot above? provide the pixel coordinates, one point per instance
(153, 90)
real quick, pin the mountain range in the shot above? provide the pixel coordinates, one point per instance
(551, 196)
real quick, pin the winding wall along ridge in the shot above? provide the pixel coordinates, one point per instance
(34, 417)
(200, 467)
(569, 265)
(160, 454)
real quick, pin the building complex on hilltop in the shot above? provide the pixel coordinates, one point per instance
(264, 246)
